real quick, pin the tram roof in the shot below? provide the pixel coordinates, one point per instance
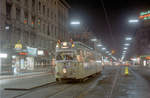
(83, 45)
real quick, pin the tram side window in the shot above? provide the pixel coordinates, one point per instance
(64, 56)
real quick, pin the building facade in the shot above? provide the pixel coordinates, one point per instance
(32, 23)
(142, 39)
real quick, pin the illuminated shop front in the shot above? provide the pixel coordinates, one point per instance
(43, 58)
(24, 59)
(145, 60)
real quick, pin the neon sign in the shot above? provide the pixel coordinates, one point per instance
(145, 15)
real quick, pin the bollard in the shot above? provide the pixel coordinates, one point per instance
(126, 72)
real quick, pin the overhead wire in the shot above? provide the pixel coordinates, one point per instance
(108, 22)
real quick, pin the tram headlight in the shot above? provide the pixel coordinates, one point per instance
(65, 44)
(64, 70)
(57, 46)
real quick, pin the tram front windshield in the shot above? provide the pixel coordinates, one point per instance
(65, 55)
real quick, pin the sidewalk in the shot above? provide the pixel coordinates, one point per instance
(27, 82)
(28, 73)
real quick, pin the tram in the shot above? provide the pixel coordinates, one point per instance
(76, 61)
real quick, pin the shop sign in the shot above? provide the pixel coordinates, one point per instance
(3, 55)
(32, 51)
(40, 52)
(148, 57)
(18, 46)
(23, 53)
(145, 15)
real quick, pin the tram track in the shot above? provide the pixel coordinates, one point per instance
(78, 90)
(44, 87)
(60, 91)
(93, 85)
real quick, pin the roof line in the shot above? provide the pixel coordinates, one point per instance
(65, 3)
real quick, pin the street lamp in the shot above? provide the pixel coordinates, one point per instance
(127, 44)
(133, 21)
(99, 45)
(109, 54)
(124, 51)
(94, 40)
(128, 38)
(107, 51)
(125, 48)
(103, 48)
(75, 23)
(7, 27)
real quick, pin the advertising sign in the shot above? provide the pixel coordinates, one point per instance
(144, 15)
(32, 51)
(18, 46)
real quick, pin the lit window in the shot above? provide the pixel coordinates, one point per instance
(39, 22)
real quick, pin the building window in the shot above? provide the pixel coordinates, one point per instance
(43, 10)
(43, 28)
(39, 22)
(39, 6)
(33, 3)
(48, 31)
(8, 10)
(26, 3)
(33, 21)
(18, 13)
(47, 12)
(25, 18)
(51, 14)
(18, 0)
(52, 29)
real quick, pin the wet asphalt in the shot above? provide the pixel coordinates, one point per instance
(112, 83)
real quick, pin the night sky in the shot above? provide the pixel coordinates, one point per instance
(91, 13)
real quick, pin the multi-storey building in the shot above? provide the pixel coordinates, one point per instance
(33, 23)
(36, 23)
(142, 39)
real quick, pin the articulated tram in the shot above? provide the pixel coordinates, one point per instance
(76, 61)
